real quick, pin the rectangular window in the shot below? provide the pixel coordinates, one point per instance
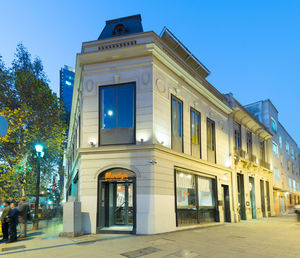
(237, 136)
(117, 114)
(287, 148)
(195, 199)
(249, 143)
(195, 133)
(276, 174)
(275, 149)
(262, 150)
(211, 141)
(290, 183)
(186, 198)
(273, 125)
(292, 153)
(294, 185)
(280, 141)
(176, 127)
(298, 190)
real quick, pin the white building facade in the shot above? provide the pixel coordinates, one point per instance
(149, 141)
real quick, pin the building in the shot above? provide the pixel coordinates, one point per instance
(66, 85)
(283, 158)
(148, 146)
(252, 177)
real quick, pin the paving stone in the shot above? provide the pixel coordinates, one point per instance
(141, 252)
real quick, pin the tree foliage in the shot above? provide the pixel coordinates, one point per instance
(34, 115)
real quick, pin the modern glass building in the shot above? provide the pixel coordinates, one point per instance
(67, 75)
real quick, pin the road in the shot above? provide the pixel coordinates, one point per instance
(272, 237)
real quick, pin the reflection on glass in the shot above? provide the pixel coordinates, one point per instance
(186, 191)
(108, 108)
(205, 192)
(125, 106)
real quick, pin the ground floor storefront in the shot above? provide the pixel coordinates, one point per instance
(123, 195)
(284, 201)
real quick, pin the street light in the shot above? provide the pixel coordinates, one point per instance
(39, 152)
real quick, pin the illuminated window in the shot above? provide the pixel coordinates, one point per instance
(117, 114)
(195, 133)
(68, 83)
(211, 141)
(176, 118)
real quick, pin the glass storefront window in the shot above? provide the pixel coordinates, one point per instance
(186, 191)
(205, 192)
(195, 199)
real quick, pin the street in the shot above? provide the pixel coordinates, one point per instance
(272, 237)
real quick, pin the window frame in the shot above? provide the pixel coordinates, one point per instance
(208, 120)
(275, 123)
(200, 142)
(277, 154)
(182, 135)
(133, 83)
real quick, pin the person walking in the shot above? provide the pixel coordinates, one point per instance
(13, 222)
(4, 221)
(23, 216)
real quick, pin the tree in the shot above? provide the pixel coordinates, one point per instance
(34, 114)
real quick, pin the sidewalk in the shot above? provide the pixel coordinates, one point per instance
(270, 237)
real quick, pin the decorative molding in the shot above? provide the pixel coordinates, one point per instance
(160, 85)
(145, 78)
(89, 88)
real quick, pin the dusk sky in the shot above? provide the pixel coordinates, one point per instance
(252, 48)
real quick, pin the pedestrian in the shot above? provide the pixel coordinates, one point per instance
(23, 216)
(4, 221)
(13, 222)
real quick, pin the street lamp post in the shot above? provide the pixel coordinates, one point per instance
(39, 152)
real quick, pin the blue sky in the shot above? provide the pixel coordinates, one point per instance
(252, 48)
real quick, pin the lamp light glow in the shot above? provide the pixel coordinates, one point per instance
(39, 148)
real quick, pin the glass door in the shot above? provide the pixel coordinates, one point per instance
(123, 203)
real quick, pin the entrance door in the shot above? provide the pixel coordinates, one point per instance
(252, 197)
(262, 198)
(117, 206)
(123, 204)
(226, 203)
(241, 196)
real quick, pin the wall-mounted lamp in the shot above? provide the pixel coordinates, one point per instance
(142, 141)
(153, 161)
(92, 142)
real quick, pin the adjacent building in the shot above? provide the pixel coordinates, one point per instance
(66, 85)
(148, 145)
(283, 158)
(252, 177)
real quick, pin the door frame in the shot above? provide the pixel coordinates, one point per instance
(101, 180)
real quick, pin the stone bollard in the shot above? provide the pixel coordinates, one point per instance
(71, 219)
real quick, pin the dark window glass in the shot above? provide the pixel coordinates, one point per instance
(237, 136)
(109, 107)
(125, 106)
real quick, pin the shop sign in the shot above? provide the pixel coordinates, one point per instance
(109, 176)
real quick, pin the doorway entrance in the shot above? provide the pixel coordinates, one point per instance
(116, 210)
(262, 198)
(241, 196)
(252, 197)
(226, 203)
